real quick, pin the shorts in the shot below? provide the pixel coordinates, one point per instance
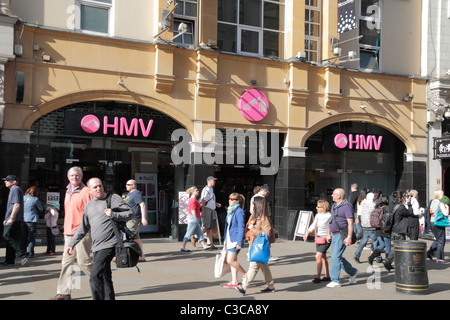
(233, 250)
(133, 226)
(209, 218)
(322, 248)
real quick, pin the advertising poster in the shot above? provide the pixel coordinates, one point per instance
(147, 183)
(183, 199)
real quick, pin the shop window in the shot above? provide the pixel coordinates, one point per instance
(251, 27)
(187, 13)
(95, 16)
(312, 29)
(370, 29)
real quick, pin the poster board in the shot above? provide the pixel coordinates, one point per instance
(147, 183)
(305, 218)
(183, 199)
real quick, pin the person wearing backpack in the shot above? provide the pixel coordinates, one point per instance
(383, 238)
(366, 208)
(400, 213)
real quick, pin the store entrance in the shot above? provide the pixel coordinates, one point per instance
(351, 152)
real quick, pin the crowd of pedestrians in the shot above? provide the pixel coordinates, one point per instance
(348, 220)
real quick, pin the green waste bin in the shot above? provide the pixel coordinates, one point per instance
(410, 270)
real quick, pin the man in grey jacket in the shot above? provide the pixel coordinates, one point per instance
(96, 217)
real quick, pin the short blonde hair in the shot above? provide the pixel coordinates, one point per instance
(438, 194)
(324, 204)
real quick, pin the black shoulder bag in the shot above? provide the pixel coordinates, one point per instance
(128, 251)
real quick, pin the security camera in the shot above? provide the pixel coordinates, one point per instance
(182, 28)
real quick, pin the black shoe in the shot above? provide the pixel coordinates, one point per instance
(326, 279)
(267, 290)
(429, 255)
(374, 254)
(316, 280)
(387, 265)
(240, 289)
(357, 260)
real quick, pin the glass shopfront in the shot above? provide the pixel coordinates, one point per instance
(351, 152)
(114, 142)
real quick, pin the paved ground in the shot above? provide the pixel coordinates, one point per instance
(170, 274)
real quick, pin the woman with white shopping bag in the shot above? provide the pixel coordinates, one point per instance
(261, 226)
(234, 236)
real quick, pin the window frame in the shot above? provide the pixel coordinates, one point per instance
(368, 47)
(309, 38)
(99, 5)
(187, 19)
(258, 29)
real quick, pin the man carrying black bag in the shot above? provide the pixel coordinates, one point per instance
(97, 218)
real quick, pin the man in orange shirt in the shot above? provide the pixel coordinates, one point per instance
(77, 195)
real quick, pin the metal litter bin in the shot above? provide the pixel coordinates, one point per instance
(410, 270)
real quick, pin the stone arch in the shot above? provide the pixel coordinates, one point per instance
(102, 95)
(400, 132)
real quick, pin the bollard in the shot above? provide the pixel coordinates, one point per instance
(410, 271)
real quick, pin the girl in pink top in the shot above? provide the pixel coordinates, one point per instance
(194, 219)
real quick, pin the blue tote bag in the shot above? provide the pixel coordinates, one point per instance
(260, 250)
(440, 220)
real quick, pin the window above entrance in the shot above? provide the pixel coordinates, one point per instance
(251, 27)
(95, 16)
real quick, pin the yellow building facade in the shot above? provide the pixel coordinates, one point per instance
(199, 88)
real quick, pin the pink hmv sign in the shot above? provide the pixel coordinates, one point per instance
(254, 105)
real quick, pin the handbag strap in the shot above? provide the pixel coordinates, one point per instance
(113, 223)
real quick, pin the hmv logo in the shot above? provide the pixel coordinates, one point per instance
(358, 142)
(116, 126)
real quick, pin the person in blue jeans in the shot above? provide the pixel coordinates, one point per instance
(341, 219)
(194, 219)
(366, 207)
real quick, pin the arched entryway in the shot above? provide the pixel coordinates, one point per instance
(352, 152)
(113, 141)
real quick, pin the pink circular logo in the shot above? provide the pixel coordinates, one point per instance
(340, 140)
(90, 123)
(254, 105)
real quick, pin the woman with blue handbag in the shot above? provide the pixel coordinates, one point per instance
(262, 227)
(439, 223)
(234, 236)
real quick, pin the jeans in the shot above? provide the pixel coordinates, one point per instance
(337, 261)
(437, 247)
(194, 226)
(101, 275)
(372, 234)
(11, 234)
(384, 243)
(28, 239)
(394, 237)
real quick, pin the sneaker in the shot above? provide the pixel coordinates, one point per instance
(353, 278)
(267, 290)
(240, 289)
(326, 279)
(316, 280)
(230, 285)
(440, 261)
(24, 260)
(333, 284)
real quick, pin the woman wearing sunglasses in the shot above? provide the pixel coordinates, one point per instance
(234, 236)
